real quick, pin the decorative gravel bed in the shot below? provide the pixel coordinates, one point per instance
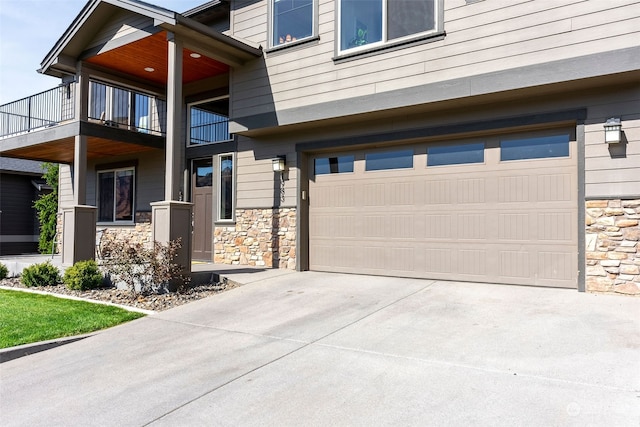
(155, 302)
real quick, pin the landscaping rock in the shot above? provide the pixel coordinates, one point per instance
(154, 302)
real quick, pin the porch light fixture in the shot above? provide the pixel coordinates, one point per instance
(612, 131)
(195, 55)
(149, 69)
(278, 163)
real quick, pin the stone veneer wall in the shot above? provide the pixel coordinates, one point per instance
(613, 246)
(260, 237)
(141, 232)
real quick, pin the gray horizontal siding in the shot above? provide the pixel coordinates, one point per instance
(257, 185)
(65, 186)
(613, 171)
(481, 38)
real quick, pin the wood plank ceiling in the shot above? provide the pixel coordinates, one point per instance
(131, 59)
(62, 150)
(151, 53)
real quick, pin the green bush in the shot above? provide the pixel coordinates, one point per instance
(4, 271)
(47, 208)
(83, 275)
(44, 274)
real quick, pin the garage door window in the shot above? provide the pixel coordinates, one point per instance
(455, 154)
(402, 159)
(535, 148)
(328, 165)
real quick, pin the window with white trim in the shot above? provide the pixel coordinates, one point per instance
(291, 20)
(116, 190)
(366, 24)
(225, 187)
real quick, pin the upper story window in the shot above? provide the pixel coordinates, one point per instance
(366, 24)
(291, 20)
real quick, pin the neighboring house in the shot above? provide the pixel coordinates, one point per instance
(441, 139)
(21, 184)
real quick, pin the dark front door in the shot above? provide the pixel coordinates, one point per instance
(202, 198)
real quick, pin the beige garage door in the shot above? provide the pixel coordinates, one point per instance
(500, 210)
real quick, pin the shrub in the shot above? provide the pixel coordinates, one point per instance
(4, 271)
(83, 275)
(145, 270)
(44, 274)
(47, 208)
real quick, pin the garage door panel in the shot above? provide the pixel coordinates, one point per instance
(555, 188)
(473, 226)
(556, 227)
(498, 221)
(555, 268)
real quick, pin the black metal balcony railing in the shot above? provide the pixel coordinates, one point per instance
(110, 106)
(123, 108)
(42, 110)
(216, 131)
(207, 127)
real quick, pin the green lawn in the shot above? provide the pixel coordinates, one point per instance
(27, 318)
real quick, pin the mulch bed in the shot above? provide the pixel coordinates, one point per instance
(154, 302)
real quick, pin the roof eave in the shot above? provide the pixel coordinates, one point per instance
(242, 47)
(55, 63)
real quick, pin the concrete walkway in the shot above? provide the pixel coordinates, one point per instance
(330, 349)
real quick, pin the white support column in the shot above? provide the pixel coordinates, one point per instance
(174, 118)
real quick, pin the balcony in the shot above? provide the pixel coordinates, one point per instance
(108, 105)
(114, 107)
(46, 109)
(126, 109)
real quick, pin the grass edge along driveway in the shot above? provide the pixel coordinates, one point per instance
(27, 318)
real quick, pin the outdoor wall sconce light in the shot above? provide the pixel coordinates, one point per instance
(279, 163)
(612, 131)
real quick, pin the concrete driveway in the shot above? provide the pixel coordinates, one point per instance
(329, 349)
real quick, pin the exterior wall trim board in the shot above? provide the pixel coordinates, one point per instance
(576, 115)
(340, 59)
(121, 135)
(66, 130)
(582, 264)
(206, 150)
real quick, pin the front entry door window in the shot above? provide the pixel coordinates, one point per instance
(202, 174)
